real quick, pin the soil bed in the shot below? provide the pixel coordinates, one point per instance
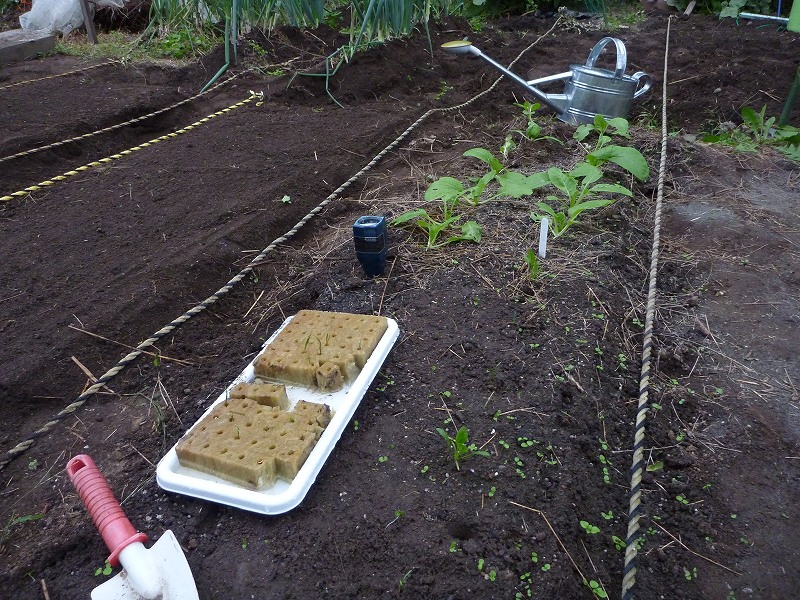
(544, 373)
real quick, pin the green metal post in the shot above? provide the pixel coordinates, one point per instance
(790, 99)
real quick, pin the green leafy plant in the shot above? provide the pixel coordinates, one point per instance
(451, 190)
(13, 522)
(533, 131)
(597, 589)
(589, 528)
(532, 262)
(579, 193)
(104, 570)
(626, 157)
(459, 446)
(433, 227)
(404, 579)
(755, 131)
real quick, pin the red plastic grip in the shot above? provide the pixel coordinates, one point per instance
(107, 514)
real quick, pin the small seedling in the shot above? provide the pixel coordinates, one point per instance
(6, 532)
(681, 499)
(480, 564)
(443, 89)
(546, 567)
(589, 528)
(404, 579)
(454, 547)
(492, 492)
(383, 458)
(597, 589)
(619, 543)
(532, 261)
(690, 574)
(492, 576)
(459, 446)
(504, 444)
(244, 543)
(104, 570)
(607, 515)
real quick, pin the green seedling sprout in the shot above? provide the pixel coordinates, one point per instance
(459, 446)
(589, 528)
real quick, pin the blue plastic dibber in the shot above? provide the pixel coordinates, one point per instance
(369, 236)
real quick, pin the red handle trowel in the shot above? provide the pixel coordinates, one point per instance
(160, 572)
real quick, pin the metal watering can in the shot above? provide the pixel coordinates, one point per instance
(588, 91)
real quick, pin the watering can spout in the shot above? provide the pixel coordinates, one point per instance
(558, 102)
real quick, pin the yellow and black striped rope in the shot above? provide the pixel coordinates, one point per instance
(10, 85)
(103, 161)
(638, 466)
(113, 127)
(23, 446)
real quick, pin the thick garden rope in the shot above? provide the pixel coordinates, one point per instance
(10, 85)
(23, 446)
(98, 163)
(113, 127)
(629, 571)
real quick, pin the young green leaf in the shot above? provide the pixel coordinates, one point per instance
(626, 157)
(409, 216)
(484, 155)
(445, 188)
(611, 188)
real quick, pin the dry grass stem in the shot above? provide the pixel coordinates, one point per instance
(185, 363)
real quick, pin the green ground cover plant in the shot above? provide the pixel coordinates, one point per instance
(459, 446)
(757, 130)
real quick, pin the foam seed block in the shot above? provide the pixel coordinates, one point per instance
(266, 394)
(323, 350)
(251, 444)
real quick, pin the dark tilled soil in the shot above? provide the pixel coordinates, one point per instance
(121, 249)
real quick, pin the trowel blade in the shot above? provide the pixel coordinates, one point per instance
(172, 570)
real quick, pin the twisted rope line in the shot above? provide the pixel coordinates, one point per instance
(10, 85)
(113, 127)
(97, 163)
(629, 570)
(23, 446)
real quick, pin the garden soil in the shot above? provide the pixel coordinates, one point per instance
(542, 371)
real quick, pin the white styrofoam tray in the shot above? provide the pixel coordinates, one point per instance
(282, 496)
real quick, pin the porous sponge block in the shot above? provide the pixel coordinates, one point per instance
(266, 394)
(251, 444)
(321, 349)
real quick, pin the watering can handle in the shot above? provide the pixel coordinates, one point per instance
(107, 514)
(645, 82)
(622, 55)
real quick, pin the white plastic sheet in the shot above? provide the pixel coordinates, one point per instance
(53, 16)
(60, 16)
